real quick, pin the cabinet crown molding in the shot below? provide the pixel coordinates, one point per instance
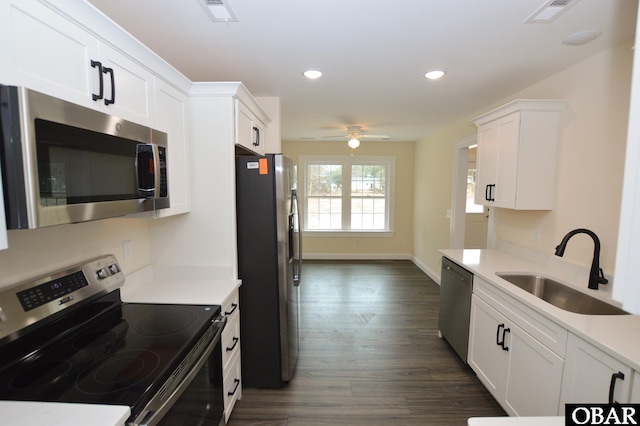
(521, 105)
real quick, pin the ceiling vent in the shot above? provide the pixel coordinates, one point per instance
(550, 10)
(218, 10)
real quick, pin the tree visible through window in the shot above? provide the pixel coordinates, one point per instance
(347, 194)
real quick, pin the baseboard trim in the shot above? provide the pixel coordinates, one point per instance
(358, 256)
(430, 272)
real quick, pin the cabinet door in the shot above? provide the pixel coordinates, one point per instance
(588, 373)
(486, 357)
(171, 117)
(250, 132)
(507, 161)
(534, 376)
(635, 390)
(487, 163)
(50, 54)
(129, 86)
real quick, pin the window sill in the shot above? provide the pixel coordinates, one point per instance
(347, 234)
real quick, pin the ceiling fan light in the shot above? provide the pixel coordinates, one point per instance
(353, 143)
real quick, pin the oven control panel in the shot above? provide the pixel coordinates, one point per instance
(36, 299)
(52, 290)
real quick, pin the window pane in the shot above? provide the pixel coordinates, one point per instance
(324, 191)
(368, 194)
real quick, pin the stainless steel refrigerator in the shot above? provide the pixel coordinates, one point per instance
(269, 265)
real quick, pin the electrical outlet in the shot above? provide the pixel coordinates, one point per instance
(127, 249)
(536, 233)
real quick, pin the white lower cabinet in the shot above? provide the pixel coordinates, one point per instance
(521, 373)
(589, 374)
(231, 367)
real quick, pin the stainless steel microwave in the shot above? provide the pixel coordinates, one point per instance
(64, 163)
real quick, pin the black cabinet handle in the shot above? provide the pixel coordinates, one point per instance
(235, 343)
(237, 382)
(504, 334)
(113, 86)
(498, 342)
(234, 306)
(612, 385)
(486, 192)
(100, 95)
(256, 131)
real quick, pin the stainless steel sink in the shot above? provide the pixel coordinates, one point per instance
(561, 296)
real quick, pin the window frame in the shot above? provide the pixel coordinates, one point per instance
(347, 162)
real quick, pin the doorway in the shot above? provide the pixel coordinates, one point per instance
(470, 223)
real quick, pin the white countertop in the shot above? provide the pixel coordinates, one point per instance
(618, 335)
(516, 421)
(174, 285)
(61, 414)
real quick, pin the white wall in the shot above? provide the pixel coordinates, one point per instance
(33, 252)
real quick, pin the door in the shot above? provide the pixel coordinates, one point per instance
(288, 262)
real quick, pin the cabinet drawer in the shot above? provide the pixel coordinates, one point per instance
(232, 385)
(542, 329)
(231, 305)
(230, 341)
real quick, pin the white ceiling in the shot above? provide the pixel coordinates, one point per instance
(373, 53)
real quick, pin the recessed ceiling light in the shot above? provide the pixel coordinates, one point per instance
(312, 74)
(582, 37)
(434, 75)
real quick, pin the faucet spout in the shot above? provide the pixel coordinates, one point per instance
(596, 276)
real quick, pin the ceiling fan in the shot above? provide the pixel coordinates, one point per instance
(354, 134)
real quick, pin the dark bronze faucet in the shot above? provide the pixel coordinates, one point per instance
(596, 276)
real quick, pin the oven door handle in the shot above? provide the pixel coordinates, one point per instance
(152, 417)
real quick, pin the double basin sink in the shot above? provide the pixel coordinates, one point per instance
(560, 295)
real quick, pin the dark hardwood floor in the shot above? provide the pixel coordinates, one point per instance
(370, 355)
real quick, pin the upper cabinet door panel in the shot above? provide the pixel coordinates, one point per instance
(131, 88)
(51, 54)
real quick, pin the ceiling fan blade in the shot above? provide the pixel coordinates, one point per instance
(375, 136)
(335, 137)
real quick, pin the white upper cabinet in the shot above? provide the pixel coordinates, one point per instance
(250, 128)
(51, 54)
(517, 150)
(171, 117)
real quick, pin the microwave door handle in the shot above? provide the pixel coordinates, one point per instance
(145, 169)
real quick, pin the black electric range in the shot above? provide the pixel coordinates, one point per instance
(90, 347)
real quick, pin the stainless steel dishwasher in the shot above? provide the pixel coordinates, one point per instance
(455, 306)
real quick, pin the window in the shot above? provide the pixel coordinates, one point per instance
(472, 207)
(348, 194)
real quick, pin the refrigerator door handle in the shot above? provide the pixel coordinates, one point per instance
(295, 240)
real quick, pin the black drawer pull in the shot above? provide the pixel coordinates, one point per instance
(235, 389)
(235, 343)
(234, 306)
